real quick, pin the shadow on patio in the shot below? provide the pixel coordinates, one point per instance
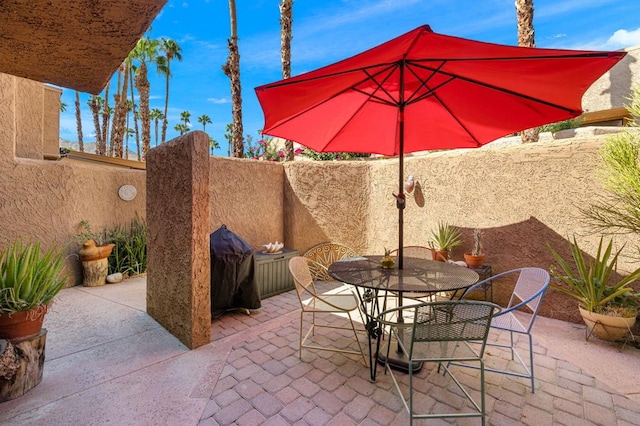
(109, 362)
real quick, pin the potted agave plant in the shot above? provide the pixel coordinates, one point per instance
(475, 259)
(608, 309)
(29, 279)
(444, 239)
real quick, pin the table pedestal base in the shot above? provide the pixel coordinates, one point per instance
(398, 360)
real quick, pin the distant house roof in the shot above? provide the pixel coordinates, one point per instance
(77, 44)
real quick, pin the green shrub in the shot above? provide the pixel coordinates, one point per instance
(129, 256)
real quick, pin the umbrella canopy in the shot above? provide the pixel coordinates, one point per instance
(424, 91)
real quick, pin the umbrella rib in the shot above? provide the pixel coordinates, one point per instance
(423, 83)
(499, 89)
(435, 95)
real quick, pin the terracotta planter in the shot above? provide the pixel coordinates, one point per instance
(90, 251)
(95, 266)
(20, 325)
(474, 261)
(607, 327)
(440, 255)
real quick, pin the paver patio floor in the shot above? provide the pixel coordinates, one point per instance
(108, 362)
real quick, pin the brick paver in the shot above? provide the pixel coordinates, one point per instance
(264, 382)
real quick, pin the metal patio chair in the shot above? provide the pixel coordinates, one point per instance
(440, 332)
(319, 304)
(527, 295)
(323, 255)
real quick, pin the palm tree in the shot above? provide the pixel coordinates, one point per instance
(232, 70)
(213, 144)
(156, 115)
(95, 105)
(171, 50)
(121, 114)
(146, 51)
(63, 107)
(286, 21)
(204, 120)
(101, 148)
(134, 110)
(526, 38)
(79, 123)
(182, 128)
(185, 117)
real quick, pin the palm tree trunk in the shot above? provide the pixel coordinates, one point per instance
(286, 21)
(95, 111)
(232, 70)
(120, 116)
(165, 121)
(135, 118)
(79, 123)
(526, 38)
(102, 150)
(142, 84)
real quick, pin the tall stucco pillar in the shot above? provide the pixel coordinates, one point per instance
(178, 274)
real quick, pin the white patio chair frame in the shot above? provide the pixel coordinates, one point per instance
(318, 303)
(441, 332)
(528, 293)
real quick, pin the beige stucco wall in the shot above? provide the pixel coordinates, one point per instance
(46, 200)
(247, 196)
(178, 275)
(612, 89)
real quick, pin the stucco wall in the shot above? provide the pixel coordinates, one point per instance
(523, 197)
(612, 89)
(327, 202)
(178, 276)
(247, 196)
(46, 200)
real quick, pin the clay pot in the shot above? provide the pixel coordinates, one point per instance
(90, 251)
(607, 327)
(19, 325)
(440, 255)
(474, 261)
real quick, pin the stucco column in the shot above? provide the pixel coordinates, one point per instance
(7, 117)
(178, 274)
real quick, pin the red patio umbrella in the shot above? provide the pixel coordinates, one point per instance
(424, 91)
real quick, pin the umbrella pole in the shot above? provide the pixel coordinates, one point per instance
(400, 199)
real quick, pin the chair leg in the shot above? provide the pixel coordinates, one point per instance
(482, 393)
(301, 331)
(533, 389)
(353, 327)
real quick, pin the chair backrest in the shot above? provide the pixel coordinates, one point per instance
(323, 255)
(530, 288)
(453, 321)
(302, 277)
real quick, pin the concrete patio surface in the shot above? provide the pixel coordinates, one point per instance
(108, 362)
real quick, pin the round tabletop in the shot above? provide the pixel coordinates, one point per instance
(418, 275)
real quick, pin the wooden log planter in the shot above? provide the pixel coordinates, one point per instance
(21, 365)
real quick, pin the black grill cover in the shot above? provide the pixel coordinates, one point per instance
(233, 281)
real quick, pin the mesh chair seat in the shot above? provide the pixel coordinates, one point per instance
(441, 332)
(319, 306)
(332, 303)
(508, 321)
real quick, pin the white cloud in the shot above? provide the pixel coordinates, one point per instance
(218, 101)
(624, 38)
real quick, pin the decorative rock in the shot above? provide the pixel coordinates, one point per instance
(114, 278)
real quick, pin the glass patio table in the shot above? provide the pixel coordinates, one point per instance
(374, 285)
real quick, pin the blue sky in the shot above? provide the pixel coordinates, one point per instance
(325, 31)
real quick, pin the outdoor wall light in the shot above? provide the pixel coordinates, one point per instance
(127, 192)
(409, 184)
